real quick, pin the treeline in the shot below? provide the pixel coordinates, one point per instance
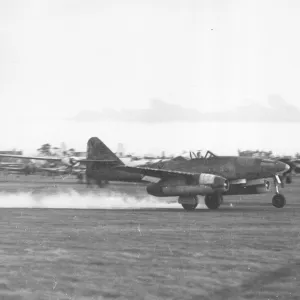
(48, 150)
(260, 153)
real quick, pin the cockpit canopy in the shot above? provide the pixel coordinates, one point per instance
(197, 155)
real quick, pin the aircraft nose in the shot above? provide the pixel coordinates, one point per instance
(274, 166)
(286, 167)
(282, 167)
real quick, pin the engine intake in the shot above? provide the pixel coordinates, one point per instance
(214, 181)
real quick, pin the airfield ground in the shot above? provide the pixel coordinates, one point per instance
(129, 246)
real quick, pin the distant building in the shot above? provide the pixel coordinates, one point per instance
(120, 150)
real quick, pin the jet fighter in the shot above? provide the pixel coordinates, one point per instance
(26, 169)
(70, 162)
(211, 176)
(66, 161)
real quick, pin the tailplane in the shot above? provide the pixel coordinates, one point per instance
(97, 150)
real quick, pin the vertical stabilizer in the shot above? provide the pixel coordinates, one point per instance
(96, 149)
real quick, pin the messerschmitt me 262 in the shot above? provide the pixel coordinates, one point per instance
(210, 176)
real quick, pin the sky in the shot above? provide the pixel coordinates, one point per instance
(154, 75)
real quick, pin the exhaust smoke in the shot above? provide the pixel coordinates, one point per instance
(72, 199)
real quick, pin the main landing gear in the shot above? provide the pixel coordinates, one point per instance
(213, 201)
(189, 207)
(190, 203)
(278, 199)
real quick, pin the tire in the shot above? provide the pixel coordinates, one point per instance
(278, 201)
(189, 207)
(213, 201)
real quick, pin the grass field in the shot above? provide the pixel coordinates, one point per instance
(147, 250)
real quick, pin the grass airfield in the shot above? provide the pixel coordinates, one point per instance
(117, 242)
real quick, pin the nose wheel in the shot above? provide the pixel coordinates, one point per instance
(278, 199)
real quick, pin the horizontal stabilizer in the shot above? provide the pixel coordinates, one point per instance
(100, 161)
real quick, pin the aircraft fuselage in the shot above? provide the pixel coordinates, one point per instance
(230, 167)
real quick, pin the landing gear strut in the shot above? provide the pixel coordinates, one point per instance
(213, 201)
(278, 200)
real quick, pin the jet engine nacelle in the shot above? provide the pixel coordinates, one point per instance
(183, 190)
(205, 184)
(214, 181)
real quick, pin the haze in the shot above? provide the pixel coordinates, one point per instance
(74, 69)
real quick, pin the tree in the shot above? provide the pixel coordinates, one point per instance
(71, 152)
(45, 150)
(55, 151)
(255, 153)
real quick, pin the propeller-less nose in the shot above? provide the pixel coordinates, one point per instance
(282, 167)
(274, 167)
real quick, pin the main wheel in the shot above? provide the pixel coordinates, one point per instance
(188, 202)
(213, 201)
(278, 201)
(189, 207)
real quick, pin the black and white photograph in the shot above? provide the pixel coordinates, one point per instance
(149, 150)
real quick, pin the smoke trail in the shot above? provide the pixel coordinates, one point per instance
(73, 199)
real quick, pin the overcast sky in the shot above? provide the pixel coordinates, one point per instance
(132, 62)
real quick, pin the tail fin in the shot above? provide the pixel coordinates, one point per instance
(96, 149)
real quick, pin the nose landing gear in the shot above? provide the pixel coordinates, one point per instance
(278, 199)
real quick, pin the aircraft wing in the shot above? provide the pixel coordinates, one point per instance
(79, 160)
(154, 175)
(32, 157)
